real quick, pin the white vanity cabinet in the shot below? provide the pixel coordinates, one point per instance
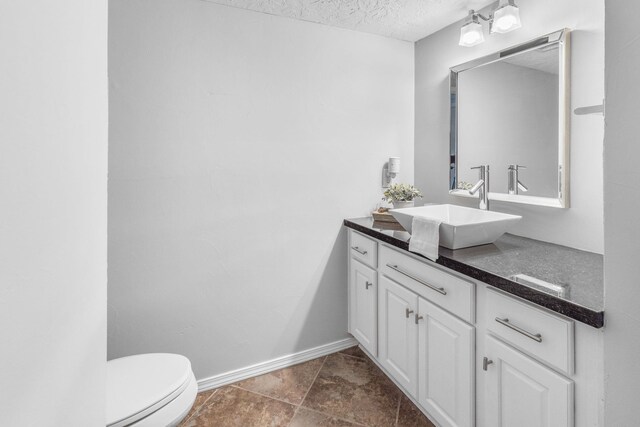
(363, 291)
(423, 339)
(446, 356)
(528, 356)
(545, 336)
(429, 352)
(398, 333)
(468, 354)
(521, 392)
(363, 303)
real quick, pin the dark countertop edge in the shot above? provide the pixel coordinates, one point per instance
(575, 311)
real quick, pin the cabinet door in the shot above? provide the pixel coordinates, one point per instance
(446, 355)
(523, 393)
(363, 305)
(398, 333)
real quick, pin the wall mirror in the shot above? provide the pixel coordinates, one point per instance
(510, 110)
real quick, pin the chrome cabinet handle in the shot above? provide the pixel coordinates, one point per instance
(410, 276)
(485, 363)
(505, 322)
(367, 284)
(418, 318)
(408, 312)
(357, 249)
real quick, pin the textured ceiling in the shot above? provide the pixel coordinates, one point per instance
(401, 19)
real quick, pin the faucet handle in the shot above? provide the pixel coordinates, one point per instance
(473, 190)
(480, 167)
(516, 167)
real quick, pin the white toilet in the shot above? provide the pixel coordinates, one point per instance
(149, 390)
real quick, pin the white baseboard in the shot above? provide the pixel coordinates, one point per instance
(273, 364)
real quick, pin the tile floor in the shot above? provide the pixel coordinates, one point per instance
(343, 389)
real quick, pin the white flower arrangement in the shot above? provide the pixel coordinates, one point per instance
(402, 193)
(464, 185)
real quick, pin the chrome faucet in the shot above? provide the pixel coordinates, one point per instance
(483, 186)
(513, 182)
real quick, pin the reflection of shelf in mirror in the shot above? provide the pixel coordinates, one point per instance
(529, 200)
(593, 109)
(514, 198)
(463, 193)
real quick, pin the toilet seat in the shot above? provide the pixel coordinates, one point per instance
(140, 387)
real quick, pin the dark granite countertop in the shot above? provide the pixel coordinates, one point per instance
(575, 277)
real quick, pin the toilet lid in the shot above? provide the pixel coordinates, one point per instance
(140, 385)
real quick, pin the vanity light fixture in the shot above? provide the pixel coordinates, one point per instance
(504, 18)
(471, 32)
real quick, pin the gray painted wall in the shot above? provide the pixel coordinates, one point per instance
(238, 143)
(622, 203)
(581, 226)
(53, 220)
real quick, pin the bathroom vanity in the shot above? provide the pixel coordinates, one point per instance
(506, 334)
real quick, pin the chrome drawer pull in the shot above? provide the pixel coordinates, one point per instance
(410, 276)
(366, 285)
(408, 312)
(357, 249)
(485, 363)
(418, 318)
(505, 322)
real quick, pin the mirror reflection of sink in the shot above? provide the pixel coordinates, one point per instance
(461, 227)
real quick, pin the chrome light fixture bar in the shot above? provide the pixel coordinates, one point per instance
(504, 18)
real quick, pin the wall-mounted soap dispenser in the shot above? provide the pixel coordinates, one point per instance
(390, 171)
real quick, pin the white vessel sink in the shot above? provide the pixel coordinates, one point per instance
(461, 227)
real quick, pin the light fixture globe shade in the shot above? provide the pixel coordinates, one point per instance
(506, 19)
(471, 34)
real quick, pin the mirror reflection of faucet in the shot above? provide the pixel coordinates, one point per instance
(483, 186)
(514, 186)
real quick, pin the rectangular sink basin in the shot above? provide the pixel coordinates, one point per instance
(461, 227)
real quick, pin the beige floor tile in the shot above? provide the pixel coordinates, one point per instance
(355, 352)
(410, 416)
(289, 384)
(354, 389)
(308, 418)
(201, 398)
(234, 407)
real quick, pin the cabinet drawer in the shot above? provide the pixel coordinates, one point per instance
(449, 292)
(363, 249)
(545, 336)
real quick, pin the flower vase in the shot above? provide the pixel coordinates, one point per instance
(400, 205)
